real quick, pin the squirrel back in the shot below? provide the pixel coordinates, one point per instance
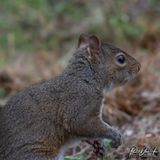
(39, 121)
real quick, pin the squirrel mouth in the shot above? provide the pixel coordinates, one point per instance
(130, 76)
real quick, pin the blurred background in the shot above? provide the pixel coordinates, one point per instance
(37, 38)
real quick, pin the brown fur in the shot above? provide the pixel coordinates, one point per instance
(38, 121)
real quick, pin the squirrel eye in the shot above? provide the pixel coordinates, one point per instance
(120, 59)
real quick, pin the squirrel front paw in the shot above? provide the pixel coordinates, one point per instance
(116, 138)
(114, 135)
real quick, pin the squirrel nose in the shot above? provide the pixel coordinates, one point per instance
(138, 67)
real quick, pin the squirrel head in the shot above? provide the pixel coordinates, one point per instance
(116, 66)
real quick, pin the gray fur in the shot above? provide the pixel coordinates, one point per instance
(37, 122)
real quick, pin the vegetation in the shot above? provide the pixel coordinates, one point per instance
(27, 25)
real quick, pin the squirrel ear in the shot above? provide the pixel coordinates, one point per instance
(83, 40)
(94, 45)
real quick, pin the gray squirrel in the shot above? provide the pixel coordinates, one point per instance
(44, 119)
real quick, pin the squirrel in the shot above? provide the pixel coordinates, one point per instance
(44, 119)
